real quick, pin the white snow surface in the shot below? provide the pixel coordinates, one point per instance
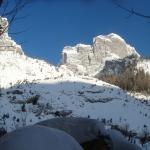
(16, 68)
(38, 138)
(83, 96)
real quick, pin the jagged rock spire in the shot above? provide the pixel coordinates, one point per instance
(6, 43)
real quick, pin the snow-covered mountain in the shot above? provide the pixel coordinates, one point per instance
(33, 90)
(90, 59)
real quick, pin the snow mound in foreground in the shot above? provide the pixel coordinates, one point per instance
(38, 138)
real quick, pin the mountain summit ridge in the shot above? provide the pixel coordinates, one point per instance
(90, 59)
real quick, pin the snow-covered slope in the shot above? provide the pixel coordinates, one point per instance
(16, 68)
(29, 103)
(90, 59)
(79, 96)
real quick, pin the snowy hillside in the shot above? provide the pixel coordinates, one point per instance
(16, 68)
(29, 103)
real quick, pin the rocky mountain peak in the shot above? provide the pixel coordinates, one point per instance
(90, 59)
(6, 43)
(113, 43)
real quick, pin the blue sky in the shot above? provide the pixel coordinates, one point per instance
(53, 24)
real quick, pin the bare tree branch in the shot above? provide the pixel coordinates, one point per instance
(5, 8)
(131, 11)
(10, 9)
(22, 17)
(18, 32)
(1, 2)
(18, 6)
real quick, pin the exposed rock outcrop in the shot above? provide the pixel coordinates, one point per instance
(119, 66)
(90, 59)
(6, 43)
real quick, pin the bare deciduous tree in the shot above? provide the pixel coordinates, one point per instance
(9, 9)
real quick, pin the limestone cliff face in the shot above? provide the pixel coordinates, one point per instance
(90, 59)
(119, 66)
(6, 43)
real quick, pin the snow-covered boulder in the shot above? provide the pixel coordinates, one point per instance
(38, 138)
(90, 59)
(82, 129)
(120, 142)
(86, 131)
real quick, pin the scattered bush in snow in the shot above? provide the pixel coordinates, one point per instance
(145, 135)
(2, 132)
(33, 100)
(62, 113)
(119, 141)
(125, 131)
